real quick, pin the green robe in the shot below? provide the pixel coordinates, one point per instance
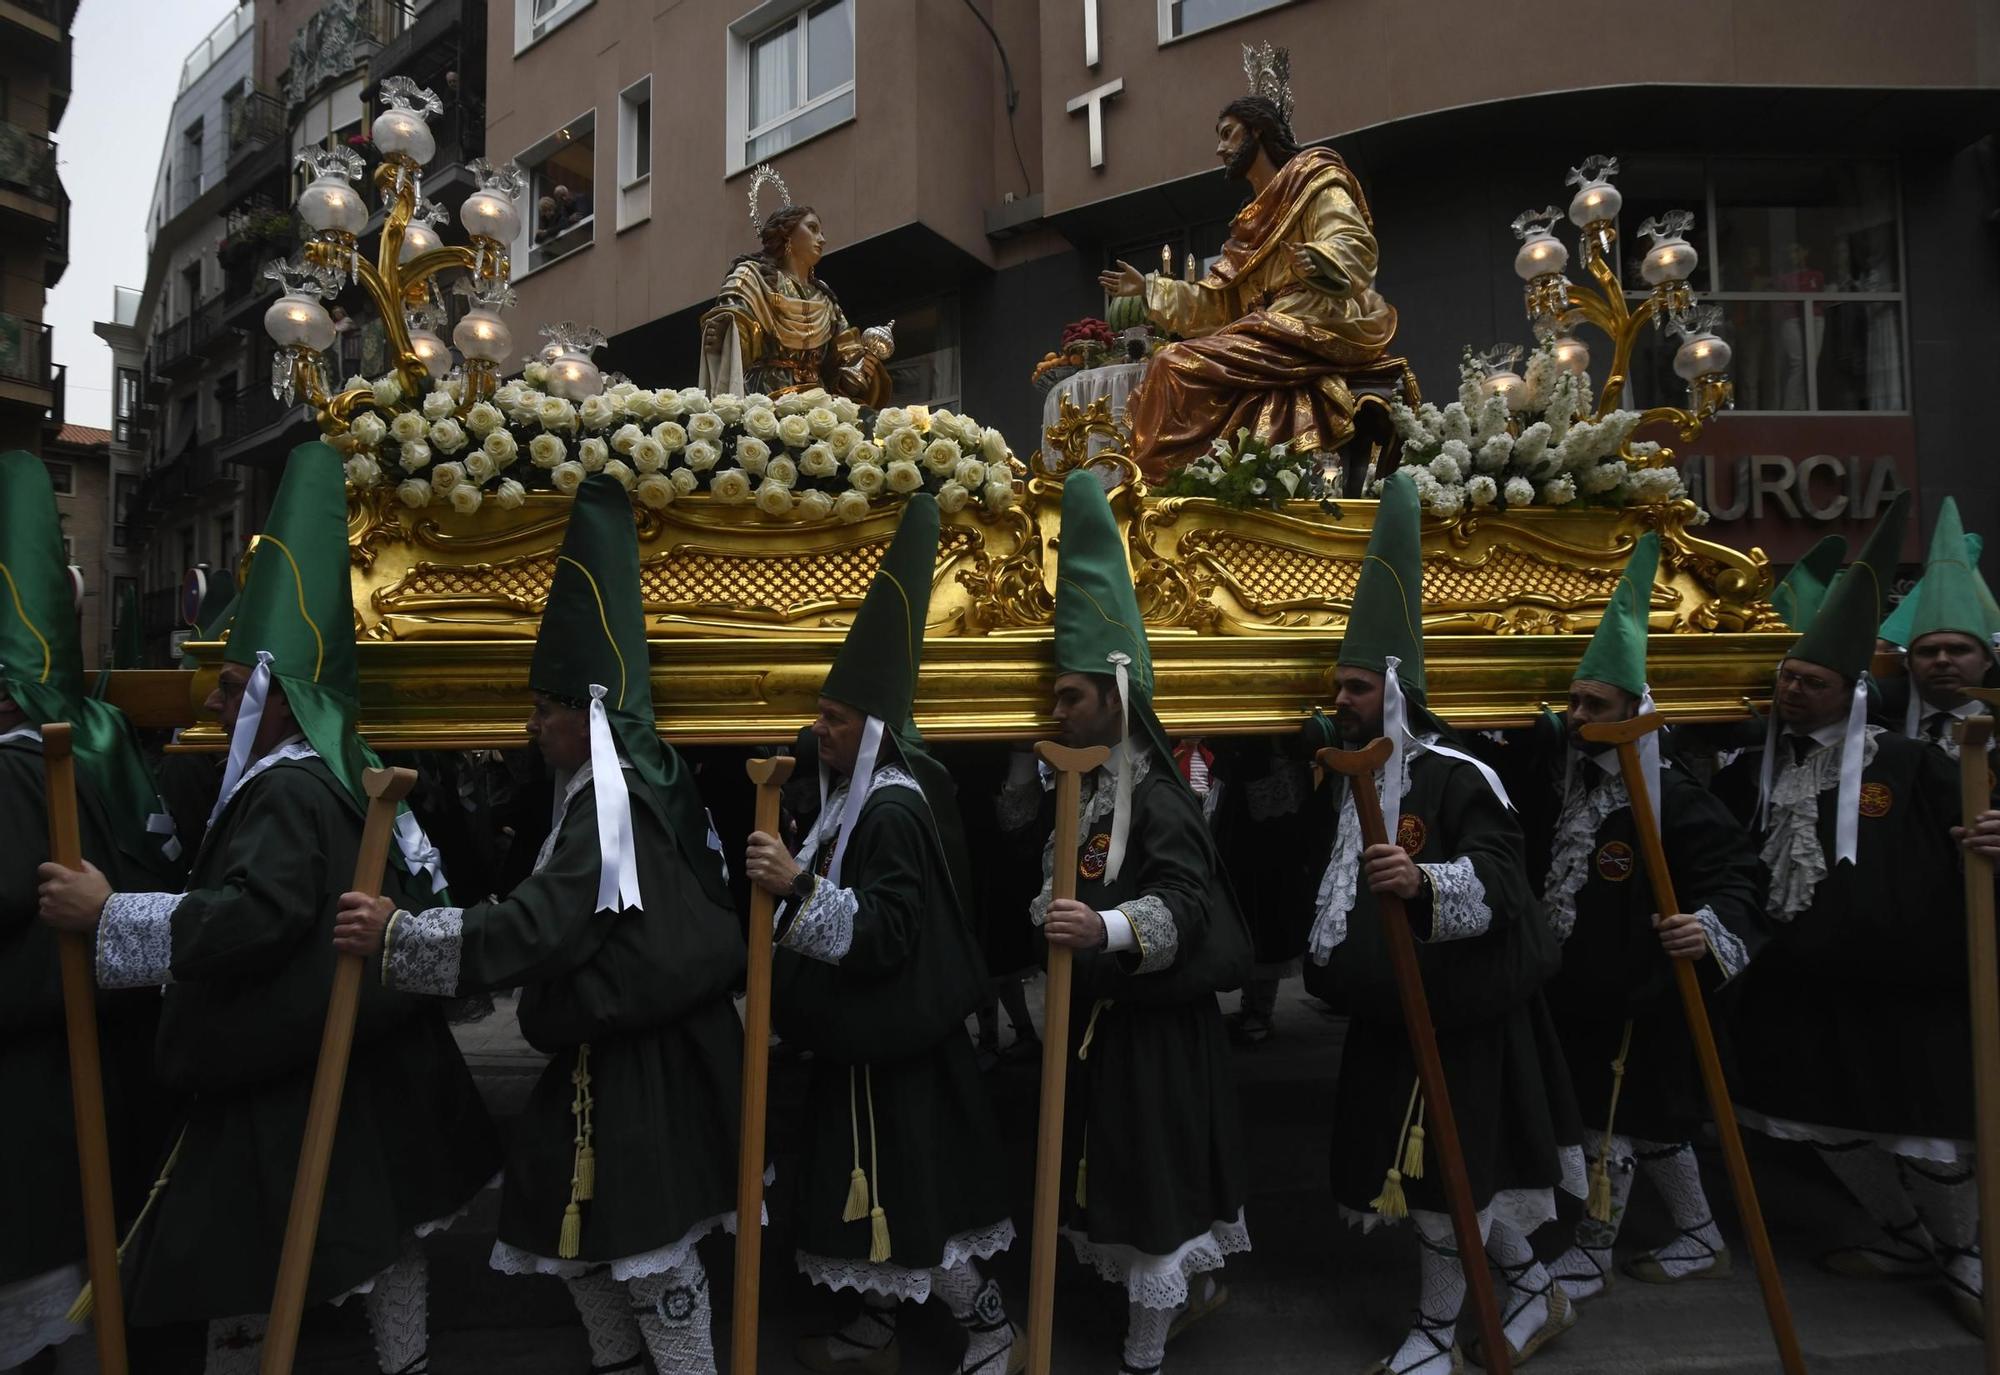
(1510, 1089)
(883, 1011)
(40, 1196)
(251, 963)
(647, 992)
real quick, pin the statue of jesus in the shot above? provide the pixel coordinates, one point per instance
(1288, 308)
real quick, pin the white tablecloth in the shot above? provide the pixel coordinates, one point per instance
(1114, 381)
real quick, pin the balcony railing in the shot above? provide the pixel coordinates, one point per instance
(255, 121)
(173, 345)
(28, 164)
(55, 260)
(249, 411)
(24, 352)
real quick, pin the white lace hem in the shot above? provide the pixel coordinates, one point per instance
(421, 1230)
(31, 1313)
(512, 1260)
(1937, 1150)
(899, 1281)
(1161, 1281)
(1522, 1209)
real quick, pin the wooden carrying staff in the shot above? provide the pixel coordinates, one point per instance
(1626, 735)
(1070, 767)
(769, 775)
(385, 788)
(86, 1075)
(1359, 767)
(1982, 951)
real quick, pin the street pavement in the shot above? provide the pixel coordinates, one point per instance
(1312, 1296)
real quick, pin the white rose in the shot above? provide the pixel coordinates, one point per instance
(702, 455)
(782, 471)
(850, 506)
(844, 409)
(465, 498)
(388, 391)
(656, 491)
(890, 419)
(821, 421)
(693, 399)
(567, 477)
(509, 494)
(447, 436)
(731, 486)
(506, 395)
(761, 421)
(626, 438)
(752, 454)
(525, 408)
(941, 456)
(649, 455)
(1520, 492)
(479, 465)
(814, 396)
(952, 497)
(438, 405)
(818, 461)
(843, 439)
(593, 453)
(537, 373)
(620, 473)
(673, 436)
(669, 404)
(998, 496)
(774, 499)
(483, 419)
(598, 411)
(547, 450)
(416, 454)
(970, 472)
(684, 481)
(704, 425)
(796, 431)
(414, 492)
(363, 470)
(1000, 472)
(815, 505)
(993, 445)
(368, 430)
(728, 406)
(865, 452)
(791, 403)
(408, 426)
(905, 445)
(904, 476)
(501, 448)
(866, 479)
(446, 476)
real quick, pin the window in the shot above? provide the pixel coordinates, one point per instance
(62, 478)
(1804, 259)
(535, 20)
(191, 286)
(562, 178)
(925, 368)
(69, 548)
(124, 494)
(126, 401)
(191, 167)
(790, 80)
(635, 153)
(1179, 18)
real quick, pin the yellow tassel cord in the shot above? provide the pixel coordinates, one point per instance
(1598, 1205)
(1390, 1202)
(857, 1180)
(1082, 1054)
(86, 1298)
(878, 1221)
(1413, 1151)
(583, 1172)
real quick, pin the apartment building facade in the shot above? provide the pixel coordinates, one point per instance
(36, 61)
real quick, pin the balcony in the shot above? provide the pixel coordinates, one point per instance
(60, 75)
(28, 182)
(173, 349)
(213, 336)
(256, 121)
(55, 259)
(47, 20)
(26, 374)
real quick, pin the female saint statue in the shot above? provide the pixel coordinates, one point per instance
(776, 328)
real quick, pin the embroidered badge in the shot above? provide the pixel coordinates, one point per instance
(1614, 861)
(1410, 834)
(1091, 863)
(1876, 799)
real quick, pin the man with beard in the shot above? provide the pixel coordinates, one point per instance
(1852, 1029)
(1455, 859)
(1290, 306)
(1948, 622)
(903, 1189)
(1153, 1154)
(1624, 1033)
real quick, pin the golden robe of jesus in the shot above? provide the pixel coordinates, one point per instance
(1263, 346)
(771, 332)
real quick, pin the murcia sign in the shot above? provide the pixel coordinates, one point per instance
(1784, 481)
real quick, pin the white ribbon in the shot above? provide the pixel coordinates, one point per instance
(1395, 725)
(249, 715)
(419, 855)
(1847, 823)
(618, 863)
(162, 824)
(1121, 810)
(857, 791)
(1431, 746)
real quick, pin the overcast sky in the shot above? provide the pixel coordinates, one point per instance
(128, 64)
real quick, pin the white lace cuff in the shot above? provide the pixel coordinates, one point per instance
(420, 951)
(1153, 928)
(135, 940)
(823, 928)
(1730, 953)
(1458, 901)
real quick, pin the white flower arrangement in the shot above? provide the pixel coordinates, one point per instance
(1477, 454)
(1244, 471)
(802, 456)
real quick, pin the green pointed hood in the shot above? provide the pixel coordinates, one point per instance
(593, 633)
(1951, 595)
(1799, 593)
(41, 665)
(1387, 616)
(1097, 612)
(1842, 634)
(217, 609)
(875, 671)
(1617, 653)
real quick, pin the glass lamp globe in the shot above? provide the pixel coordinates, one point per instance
(1571, 354)
(1506, 384)
(1598, 201)
(403, 133)
(1541, 256)
(1669, 260)
(572, 375)
(491, 215)
(430, 348)
(418, 239)
(483, 336)
(1701, 355)
(299, 321)
(330, 203)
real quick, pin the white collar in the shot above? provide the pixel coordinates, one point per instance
(1826, 735)
(1964, 711)
(293, 746)
(28, 732)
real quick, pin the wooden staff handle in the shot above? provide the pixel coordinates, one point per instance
(86, 1070)
(1975, 796)
(1626, 736)
(1359, 766)
(1070, 766)
(385, 788)
(769, 775)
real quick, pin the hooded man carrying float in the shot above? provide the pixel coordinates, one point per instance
(1947, 625)
(626, 947)
(248, 965)
(903, 1188)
